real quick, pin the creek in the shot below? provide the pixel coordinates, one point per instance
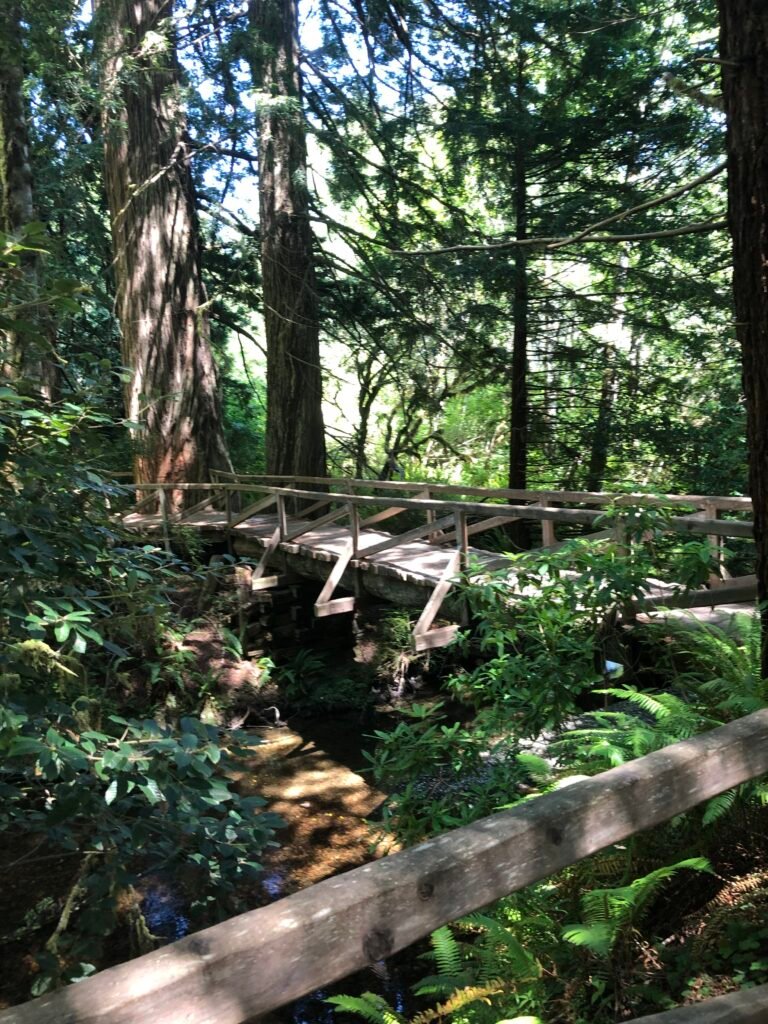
(311, 773)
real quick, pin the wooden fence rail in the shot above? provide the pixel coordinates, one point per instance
(265, 958)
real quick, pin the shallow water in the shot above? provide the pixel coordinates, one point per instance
(311, 776)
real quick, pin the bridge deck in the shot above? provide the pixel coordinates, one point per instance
(416, 562)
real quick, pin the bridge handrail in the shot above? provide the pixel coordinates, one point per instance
(678, 524)
(265, 958)
(735, 503)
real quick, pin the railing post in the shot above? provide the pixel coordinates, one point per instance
(228, 510)
(431, 517)
(354, 527)
(462, 538)
(711, 511)
(282, 519)
(163, 506)
(548, 535)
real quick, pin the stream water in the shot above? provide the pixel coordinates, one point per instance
(311, 775)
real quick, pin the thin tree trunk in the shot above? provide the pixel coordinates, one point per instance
(27, 356)
(744, 53)
(518, 422)
(598, 456)
(295, 436)
(171, 398)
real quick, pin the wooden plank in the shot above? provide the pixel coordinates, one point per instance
(486, 524)
(315, 507)
(324, 598)
(269, 549)
(749, 1006)
(282, 516)
(338, 606)
(198, 507)
(433, 638)
(258, 506)
(379, 517)
(404, 538)
(432, 607)
(558, 515)
(268, 582)
(733, 592)
(330, 517)
(262, 959)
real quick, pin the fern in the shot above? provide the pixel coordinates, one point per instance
(369, 1006)
(608, 912)
(719, 806)
(497, 946)
(538, 768)
(446, 951)
(460, 999)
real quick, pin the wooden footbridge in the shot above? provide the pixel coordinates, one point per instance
(331, 528)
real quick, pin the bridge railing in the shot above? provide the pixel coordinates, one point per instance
(446, 522)
(263, 959)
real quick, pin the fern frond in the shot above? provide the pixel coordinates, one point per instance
(539, 769)
(497, 942)
(718, 806)
(460, 999)
(369, 1006)
(608, 911)
(446, 952)
(597, 938)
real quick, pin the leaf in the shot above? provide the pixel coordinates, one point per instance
(111, 792)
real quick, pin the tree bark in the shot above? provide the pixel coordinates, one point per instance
(519, 406)
(24, 357)
(744, 53)
(171, 399)
(295, 436)
(601, 433)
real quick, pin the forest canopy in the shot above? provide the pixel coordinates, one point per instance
(480, 242)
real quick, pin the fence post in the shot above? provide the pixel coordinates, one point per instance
(354, 527)
(548, 535)
(228, 509)
(715, 541)
(163, 505)
(282, 519)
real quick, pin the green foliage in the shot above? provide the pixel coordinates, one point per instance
(477, 980)
(126, 796)
(309, 685)
(610, 913)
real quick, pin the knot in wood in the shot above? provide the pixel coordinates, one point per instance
(378, 944)
(426, 889)
(554, 835)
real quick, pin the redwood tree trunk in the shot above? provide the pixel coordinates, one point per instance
(295, 437)
(744, 52)
(171, 399)
(29, 356)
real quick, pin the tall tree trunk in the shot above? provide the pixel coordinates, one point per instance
(601, 434)
(295, 437)
(518, 422)
(744, 53)
(27, 357)
(172, 395)
(518, 414)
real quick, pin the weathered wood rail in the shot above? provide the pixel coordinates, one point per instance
(340, 524)
(258, 961)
